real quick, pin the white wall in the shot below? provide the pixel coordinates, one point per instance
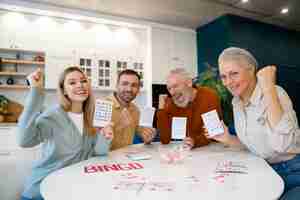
(65, 42)
(161, 47)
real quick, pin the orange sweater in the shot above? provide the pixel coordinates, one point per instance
(206, 100)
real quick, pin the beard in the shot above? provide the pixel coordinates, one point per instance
(127, 96)
(181, 100)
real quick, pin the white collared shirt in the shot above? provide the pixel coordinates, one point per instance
(254, 131)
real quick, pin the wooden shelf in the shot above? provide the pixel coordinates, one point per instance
(13, 74)
(12, 50)
(5, 125)
(17, 87)
(26, 62)
(17, 64)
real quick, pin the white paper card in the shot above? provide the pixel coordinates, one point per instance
(179, 127)
(139, 156)
(146, 118)
(103, 113)
(212, 123)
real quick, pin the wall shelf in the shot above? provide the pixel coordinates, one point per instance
(13, 74)
(16, 87)
(25, 62)
(12, 50)
(16, 65)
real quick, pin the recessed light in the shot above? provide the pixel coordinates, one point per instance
(245, 1)
(284, 10)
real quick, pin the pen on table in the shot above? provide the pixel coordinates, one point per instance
(230, 172)
(140, 188)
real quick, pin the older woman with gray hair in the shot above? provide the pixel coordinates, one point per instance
(264, 117)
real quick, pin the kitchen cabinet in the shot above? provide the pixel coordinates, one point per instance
(172, 49)
(98, 70)
(15, 163)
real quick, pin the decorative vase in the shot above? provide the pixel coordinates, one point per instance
(10, 81)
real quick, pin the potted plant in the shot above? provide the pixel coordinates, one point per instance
(209, 78)
(3, 107)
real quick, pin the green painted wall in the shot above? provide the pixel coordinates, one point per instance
(211, 40)
(269, 44)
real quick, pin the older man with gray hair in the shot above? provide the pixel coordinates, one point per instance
(189, 102)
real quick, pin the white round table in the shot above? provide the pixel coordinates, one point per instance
(212, 172)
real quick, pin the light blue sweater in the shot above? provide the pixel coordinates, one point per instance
(62, 144)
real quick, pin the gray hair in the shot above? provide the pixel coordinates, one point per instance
(235, 53)
(181, 72)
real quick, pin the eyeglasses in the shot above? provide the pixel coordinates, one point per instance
(230, 75)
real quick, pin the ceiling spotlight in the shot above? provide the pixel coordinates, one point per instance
(245, 1)
(284, 10)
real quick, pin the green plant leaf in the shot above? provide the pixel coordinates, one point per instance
(210, 79)
(3, 104)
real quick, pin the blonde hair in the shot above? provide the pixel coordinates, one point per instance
(88, 106)
(235, 53)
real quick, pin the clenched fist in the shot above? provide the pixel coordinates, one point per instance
(36, 78)
(267, 77)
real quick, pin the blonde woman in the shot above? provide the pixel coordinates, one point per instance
(65, 131)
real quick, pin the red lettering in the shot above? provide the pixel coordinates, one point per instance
(100, 168)
(113, 167)
(124, 167)
(90, 169)
(136, 165)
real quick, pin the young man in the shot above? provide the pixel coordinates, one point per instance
(125, 114)
(186, 101)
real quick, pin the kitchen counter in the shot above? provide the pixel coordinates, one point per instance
(8, 124)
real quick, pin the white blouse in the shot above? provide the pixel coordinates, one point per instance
(254, 131)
